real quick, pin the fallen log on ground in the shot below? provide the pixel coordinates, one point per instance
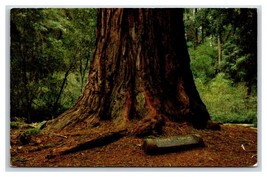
(102, 140)
(243, 125)
(171, 144)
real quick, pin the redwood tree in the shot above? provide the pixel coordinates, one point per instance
(140, 73)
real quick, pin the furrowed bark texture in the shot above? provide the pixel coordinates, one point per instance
(140, 71)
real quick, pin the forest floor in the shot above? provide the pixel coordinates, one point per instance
(232, 146)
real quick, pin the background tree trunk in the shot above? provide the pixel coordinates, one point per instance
(219, 50)
(140, 71)
(195, 29)
(203, 33)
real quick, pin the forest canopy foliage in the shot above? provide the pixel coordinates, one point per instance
(223, 50)
(51, 50)
(50, 53)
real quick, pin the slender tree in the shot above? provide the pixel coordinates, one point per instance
(195, 28)
(140, 72)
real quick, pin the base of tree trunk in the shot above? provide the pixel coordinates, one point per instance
(140, 72)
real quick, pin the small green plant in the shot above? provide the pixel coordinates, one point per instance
(32, 131)
(14, 125)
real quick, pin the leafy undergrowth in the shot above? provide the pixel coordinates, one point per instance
(231, 104)
(232, 146)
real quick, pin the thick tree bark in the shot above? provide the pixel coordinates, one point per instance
(140, 71)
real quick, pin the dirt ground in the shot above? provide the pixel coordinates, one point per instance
(232, 146)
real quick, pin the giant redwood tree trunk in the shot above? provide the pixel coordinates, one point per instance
(140, 72)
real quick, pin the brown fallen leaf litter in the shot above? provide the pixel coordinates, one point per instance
(232, 146)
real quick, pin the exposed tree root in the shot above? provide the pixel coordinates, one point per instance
(213, 125)
(149, 126)
(101, 140)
